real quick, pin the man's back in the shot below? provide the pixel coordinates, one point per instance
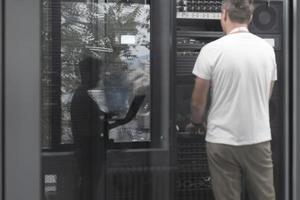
(241, 67)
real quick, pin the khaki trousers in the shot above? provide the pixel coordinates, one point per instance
(229, 164)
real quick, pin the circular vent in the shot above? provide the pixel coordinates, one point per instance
(264, 18)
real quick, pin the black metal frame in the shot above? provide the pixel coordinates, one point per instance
(161, 60)
(296, 99)
(1, 98)
(287, 148)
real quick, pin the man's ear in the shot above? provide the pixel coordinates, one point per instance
(225, 15)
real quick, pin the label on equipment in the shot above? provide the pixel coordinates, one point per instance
(198, 15)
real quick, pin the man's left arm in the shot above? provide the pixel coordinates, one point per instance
(199, 100)
(203, 71)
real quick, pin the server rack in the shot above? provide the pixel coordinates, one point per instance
(198, 24)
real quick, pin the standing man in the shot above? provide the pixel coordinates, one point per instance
(240, 70)
(88, 122)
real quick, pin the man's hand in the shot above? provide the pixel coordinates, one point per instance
(198, 130)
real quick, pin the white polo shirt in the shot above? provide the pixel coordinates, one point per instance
(241, 67)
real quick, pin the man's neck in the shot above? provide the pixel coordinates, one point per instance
(231, 27)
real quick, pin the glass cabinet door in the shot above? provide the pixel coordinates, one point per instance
(101, 50)
(100, 127)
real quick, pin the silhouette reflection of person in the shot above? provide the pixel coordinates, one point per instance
(87, 125)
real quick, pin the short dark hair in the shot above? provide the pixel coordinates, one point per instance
(88, 64)
(89, 68)
(239, 11)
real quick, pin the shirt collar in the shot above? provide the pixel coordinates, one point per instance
(241, 29)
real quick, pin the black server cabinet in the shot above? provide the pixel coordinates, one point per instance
(133, 166)
(197, 24)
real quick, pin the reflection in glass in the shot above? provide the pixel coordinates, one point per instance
(88, 122)
(119, 35)
(95, 91)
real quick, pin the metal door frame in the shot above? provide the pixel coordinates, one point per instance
(296, 98)
(287, 99)
(1, 97)
(22, 100)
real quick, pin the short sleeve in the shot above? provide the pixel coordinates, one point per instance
(274, 72)
(202, 67)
